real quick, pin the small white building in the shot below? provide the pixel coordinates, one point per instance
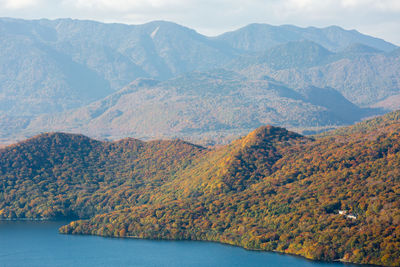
(342, 212)
(352, 216)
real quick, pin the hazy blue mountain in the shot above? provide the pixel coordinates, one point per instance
(390, 103)
(301, 54)
(358, 48)
(298, 54)
(334, 102)
(79, 67)
(54, 65)
(161, 49)
(203, 105)
(259, 37)
(35, 78)
(362, 74)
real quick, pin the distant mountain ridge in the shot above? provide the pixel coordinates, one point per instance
(106, 57)
(203, 106)
(48, 67)
(362, 74)
(62, 52)
(260, 37)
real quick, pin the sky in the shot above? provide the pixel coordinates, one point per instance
(379, 18)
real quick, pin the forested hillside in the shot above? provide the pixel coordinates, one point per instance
(56, 175)
(270, 190)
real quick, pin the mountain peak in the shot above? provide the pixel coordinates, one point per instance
(59, 138)
(162, 26)
(55, 135)
(267, 134)
(165, 23)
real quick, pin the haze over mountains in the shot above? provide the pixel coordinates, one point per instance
(259, 37)
(195, 84)
(204, 105)
(362, 74)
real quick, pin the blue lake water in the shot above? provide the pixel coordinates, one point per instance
(35, 243)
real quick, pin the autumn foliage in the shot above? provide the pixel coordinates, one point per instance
(270, 190)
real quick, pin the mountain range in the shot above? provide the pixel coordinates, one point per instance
(362, 74)
(205, 106)
(332, 196)
(55, 73)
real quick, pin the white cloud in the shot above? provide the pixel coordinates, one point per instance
(17, 4)
(129, 5)
(383, 5)
(380, 18)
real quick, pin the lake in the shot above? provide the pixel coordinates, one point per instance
(38, 243)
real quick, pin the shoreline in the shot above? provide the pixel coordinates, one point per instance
(344, 262)
(27, 219)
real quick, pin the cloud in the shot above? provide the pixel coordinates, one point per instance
(380, 18)
(383, 5)
(17, 4)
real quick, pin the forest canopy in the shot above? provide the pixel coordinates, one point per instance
(326, 197)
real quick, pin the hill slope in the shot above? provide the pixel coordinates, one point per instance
(57, 175)
(270, 190)
(203, 105)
